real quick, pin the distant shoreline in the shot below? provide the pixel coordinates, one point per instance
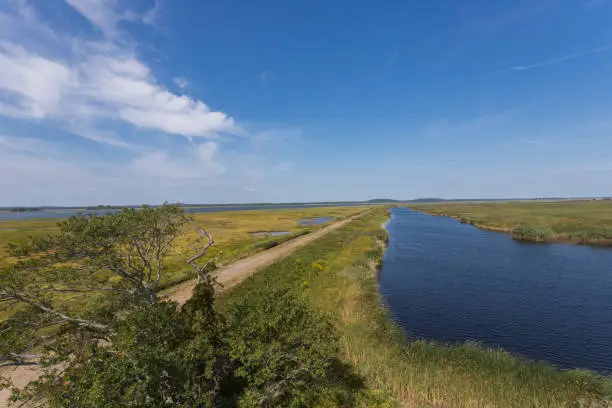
(432, 200)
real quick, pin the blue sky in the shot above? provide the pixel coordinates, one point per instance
(143, 101)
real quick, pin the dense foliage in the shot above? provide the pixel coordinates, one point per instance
(127, 347)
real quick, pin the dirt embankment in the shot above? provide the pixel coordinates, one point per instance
(231, 275)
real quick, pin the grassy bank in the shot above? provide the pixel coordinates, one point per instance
(338, 275)
(587, 222)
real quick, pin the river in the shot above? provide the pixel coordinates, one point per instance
(451, 282)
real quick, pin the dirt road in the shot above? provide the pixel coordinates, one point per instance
(229, 276)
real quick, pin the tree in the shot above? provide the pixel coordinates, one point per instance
(116, 261)
(128, 347)
(157, 356)
(282, 348)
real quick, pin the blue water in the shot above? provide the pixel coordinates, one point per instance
(316, 221)
(65, 213)
(451, 282)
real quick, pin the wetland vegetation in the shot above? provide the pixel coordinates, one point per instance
(587, 222)
(307, 331)
(339, 276)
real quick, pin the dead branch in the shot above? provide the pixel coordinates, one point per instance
(78, 322)
(19, 359)
(201, 270)
(202, 252)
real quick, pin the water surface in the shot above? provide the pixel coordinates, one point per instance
(451, 282)
(271, 233)
(316, 220)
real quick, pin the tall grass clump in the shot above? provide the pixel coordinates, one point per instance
(532, 233)
(415, 373)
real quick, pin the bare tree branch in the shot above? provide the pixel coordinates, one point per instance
(201, 270)
(79, 322)
(19, 359)
(87, 290)
(272, 391)
(202, 252)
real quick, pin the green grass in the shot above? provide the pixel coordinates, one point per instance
(338, 273)
(586, 222)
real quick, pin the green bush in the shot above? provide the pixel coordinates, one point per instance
(273, 350)
(532, 233)
(283, 348)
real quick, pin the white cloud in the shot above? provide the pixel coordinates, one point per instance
(181, 82)
(101, 13)
(39, 172)
(200, 163)
(102, 90)
(105, 14)
(277, 135)
(555, 61)
(105, 136)
(32, 85)
(150, 16)
(124, 86)
(45, 173)
(468, 127)
(20, 144)
(96, 82)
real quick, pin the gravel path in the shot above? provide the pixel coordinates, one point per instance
(231, 275)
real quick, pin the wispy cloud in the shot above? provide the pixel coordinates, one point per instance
(277, 135)
(152, 15)
(473, 19)
(181, 82)
(555, 61)
(465, 127)
(200, 163)
(98, 86)
(86, 84)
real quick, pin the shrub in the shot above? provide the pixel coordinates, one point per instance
(283, 349)
(531, 233)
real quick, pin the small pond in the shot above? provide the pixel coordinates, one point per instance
(316, 221)
(270, 233)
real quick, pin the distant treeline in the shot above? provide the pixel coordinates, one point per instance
(23, 209)
(106, 207)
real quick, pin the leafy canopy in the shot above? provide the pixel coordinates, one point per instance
(124, 346)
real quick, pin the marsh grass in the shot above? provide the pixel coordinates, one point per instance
(232, 231)
(587, 222)
(340, 271)
(531, 233)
